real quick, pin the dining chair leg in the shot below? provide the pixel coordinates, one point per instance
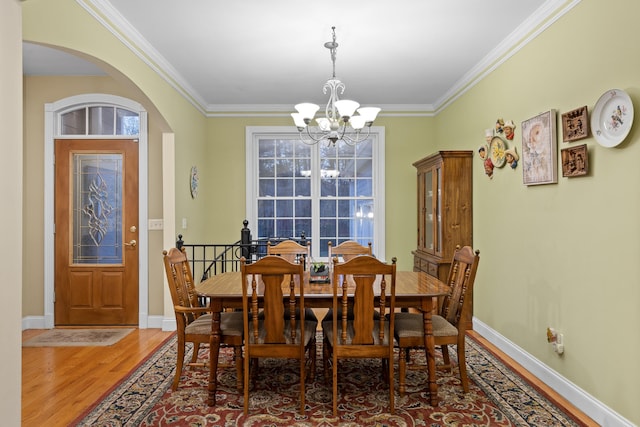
(239, 361)
(302, 387)
(326, 355)
(402, 370)
(462, 366)
(445, 357)
(313, 350)
(196, 350)
(179, 364)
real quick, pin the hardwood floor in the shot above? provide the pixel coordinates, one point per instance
(60, 383)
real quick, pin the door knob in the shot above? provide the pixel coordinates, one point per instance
(132, 243)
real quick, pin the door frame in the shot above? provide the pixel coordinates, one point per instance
(51, 132)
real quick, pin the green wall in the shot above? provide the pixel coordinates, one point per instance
(563, 255)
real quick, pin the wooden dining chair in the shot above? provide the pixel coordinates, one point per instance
(269, 332)
(294, 252)
(345, 251)
(291, 250)
(449, 325)
(193, 322)
(348, 249)
(365, 280)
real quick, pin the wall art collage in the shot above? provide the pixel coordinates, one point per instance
(610, 123)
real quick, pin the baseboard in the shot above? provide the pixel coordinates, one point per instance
(592, 407)
(33, 322)
(164, 323)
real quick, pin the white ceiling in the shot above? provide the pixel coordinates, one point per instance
(257, 55)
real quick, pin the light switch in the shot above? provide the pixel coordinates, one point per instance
(184, 223)
(156, 224)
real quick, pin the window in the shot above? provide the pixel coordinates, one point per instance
(100, 120)
(324, 192)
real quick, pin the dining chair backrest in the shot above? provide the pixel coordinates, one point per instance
(348, 249)
(291, 250)
(181, 285)
(456, 305)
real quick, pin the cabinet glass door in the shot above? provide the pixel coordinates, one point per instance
(438, 210)
(429, 241)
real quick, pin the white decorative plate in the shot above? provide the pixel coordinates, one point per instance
(612, 117)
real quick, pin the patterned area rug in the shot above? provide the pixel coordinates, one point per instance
(497, 397)
(77, 337)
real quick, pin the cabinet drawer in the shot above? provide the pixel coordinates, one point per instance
(416, 263)
(432, 269)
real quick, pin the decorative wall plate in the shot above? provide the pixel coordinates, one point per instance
(193, 181)
(612, 117)
(497, 150)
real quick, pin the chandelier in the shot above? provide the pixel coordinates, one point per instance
(341, 121)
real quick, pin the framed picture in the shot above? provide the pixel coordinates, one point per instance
(575, 161)
(540, 150)
(575, 124)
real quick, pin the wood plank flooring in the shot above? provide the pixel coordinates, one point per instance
(60, 383)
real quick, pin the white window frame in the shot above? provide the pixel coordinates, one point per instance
(255, 133)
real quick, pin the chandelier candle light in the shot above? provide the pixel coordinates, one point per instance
(339, 114)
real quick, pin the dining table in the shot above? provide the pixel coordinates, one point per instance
(414, 289)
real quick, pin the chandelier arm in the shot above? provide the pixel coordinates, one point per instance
(359, 137)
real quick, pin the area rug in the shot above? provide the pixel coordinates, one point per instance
(497, 397)
(77, 337)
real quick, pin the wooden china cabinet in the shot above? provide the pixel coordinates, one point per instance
(445, 217)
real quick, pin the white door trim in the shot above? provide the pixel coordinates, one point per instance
(51, 132)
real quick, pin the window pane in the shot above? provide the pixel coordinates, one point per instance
(328, 208)
(327, 227)
(127, 122)
(328, 187)
(284, 228)
(364, 188)
(101, 121)
(364, 168)
(284, 208)
(346, 168)
(303, 187)
(97, 209)
(266, 228)
(303, 208)
(284, 167)
(346, 187)
(303, 227)
(266, 148)
(267, 188)
(74, 122)
(284, 187)
(267, 168)
(266, 208)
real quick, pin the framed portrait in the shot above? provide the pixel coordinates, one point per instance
(575, 161)
(575, 124)
(540, 150)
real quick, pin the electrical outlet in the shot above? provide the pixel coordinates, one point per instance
(558, 346)
(156, 224)
(556, 340)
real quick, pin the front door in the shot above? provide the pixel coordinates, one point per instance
(96, 232)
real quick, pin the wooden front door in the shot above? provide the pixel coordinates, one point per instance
(96, 232)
